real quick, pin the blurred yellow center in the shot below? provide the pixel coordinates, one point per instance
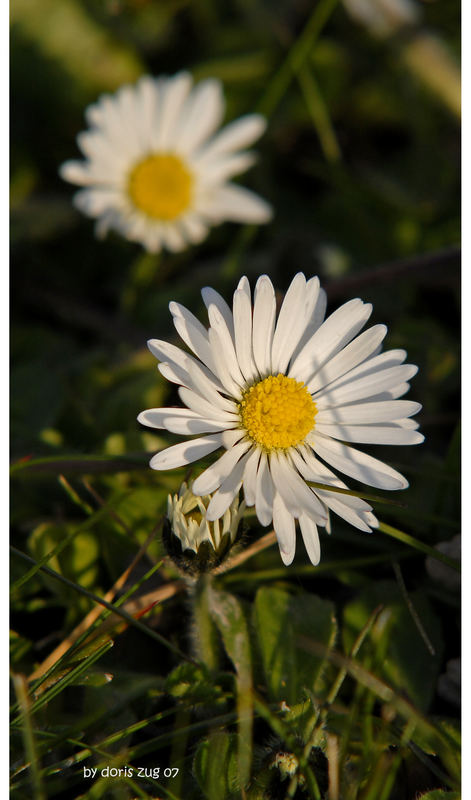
(277, 412)
(161, 186)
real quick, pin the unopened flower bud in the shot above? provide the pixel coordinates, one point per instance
(194, 543)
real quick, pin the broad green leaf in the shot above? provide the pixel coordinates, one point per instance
(275, 635)
(228, 615)
(406, 662)
(450, 731)
(440, 794)
(215, 765)
(279, 619)
(192, 684)
(77, 562)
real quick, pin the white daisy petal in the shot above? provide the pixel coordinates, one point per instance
(182, 421)
(336, 503)
(211, 297)
(155, 417)
(194, 228)
(224, 496)
(242, 308)
(176, 374)
(232, 437)
(290, 324)
(250, 476)
(155, 145)
(95, 201)
(202, 384)
(358, 465)
(172, 238)
(235, 136)
(297, 496)
(203, 113)
(225, 343)
(391, 358)
(333, 334)
(204, 407)
(348, 358)
(285, 529)
(264, 312)
(345, 508)
(315, 317)
(173, 95)
(213, 476)
(148, 95)
(314, 470)
(367, 386)
(186, 452)
(361, 413)
(112, 128)
(371, 434)
(310, 538)
(193, 333)
(410, 424)
(222, 169)
(393, 394)
(264, 492)
(76, 172)
(236, 204)
(104, 224)
(177, 358)
(222, 368)
(127, 103)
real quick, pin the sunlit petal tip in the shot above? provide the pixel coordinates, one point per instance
(287, 558)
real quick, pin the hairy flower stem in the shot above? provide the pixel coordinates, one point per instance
(205, 636)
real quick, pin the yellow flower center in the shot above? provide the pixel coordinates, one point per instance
(161, 186)
(277, 412)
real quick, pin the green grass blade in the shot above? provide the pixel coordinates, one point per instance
(418, 545)
(113, 608)
(60, 546)
(21, 689)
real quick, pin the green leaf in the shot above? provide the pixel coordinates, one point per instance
(279, 619)
(191, 684)
(450, 730)
(276, 639)
(440, 794)
(78, 561)
(228, 615)
(400, 656)
(215, 765)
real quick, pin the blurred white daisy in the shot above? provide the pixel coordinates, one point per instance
(383, 17)
(282, 395)
(156, 171)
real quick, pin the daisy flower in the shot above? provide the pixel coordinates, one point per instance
(157, 171)
(285, 397)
